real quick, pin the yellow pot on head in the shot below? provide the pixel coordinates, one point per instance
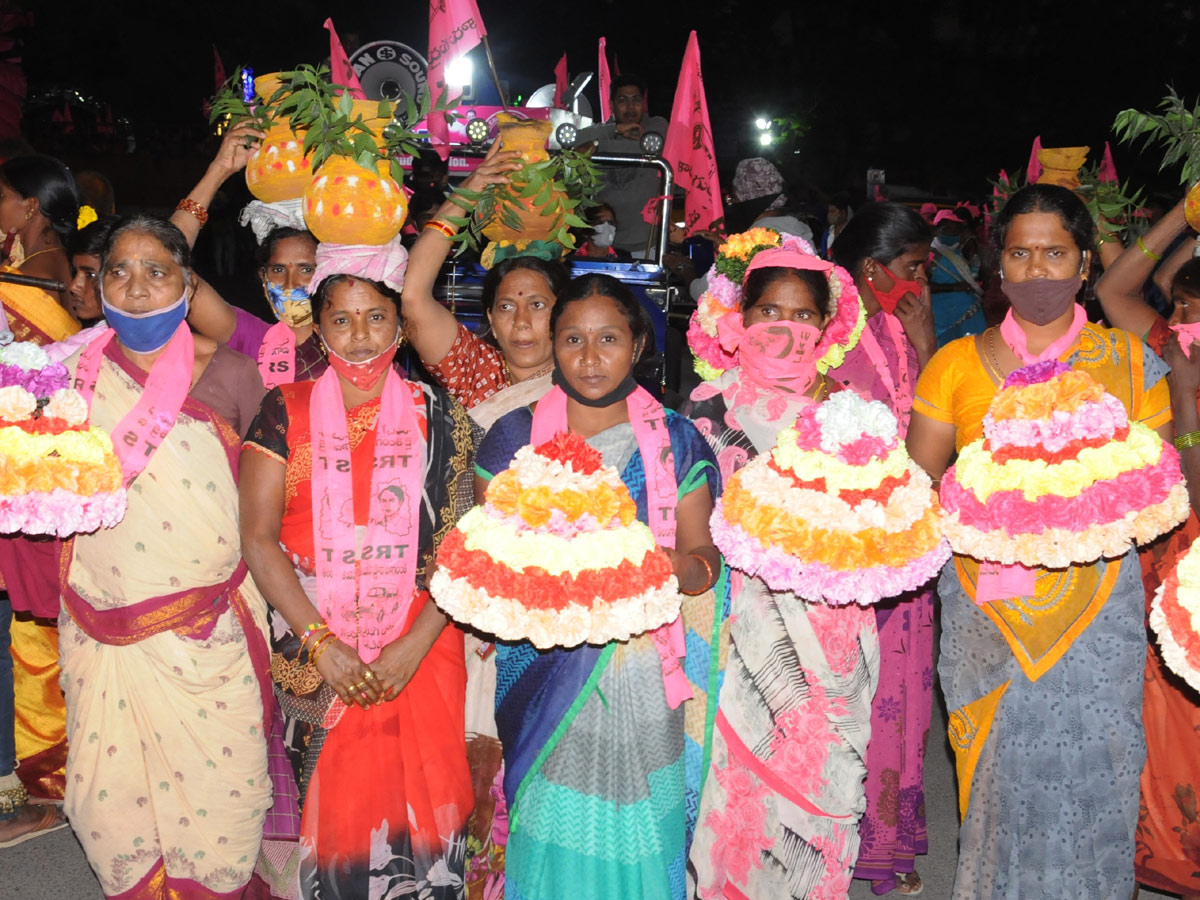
(1191, 207)
(278, 169)
(528, 136)
(1062, 165)
(347, 204)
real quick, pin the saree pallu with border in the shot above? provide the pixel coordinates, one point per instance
(165, 671)
(602, 777)
(30, 567)
(385, 791)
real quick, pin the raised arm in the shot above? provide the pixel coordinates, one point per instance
(430, 326)
(211, 315)
(1119, 290)
(236, 147)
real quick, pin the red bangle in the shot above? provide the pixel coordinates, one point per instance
(448, 230)
(707, 584)
(188, 205)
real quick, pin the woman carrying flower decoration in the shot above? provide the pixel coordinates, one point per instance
(162, 637)
(778, 816)
(603, 753)
(1042, 667)
(1167, 822)
(348, 484)
(886, 248)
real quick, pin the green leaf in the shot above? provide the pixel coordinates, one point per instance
(574, 221)
(384, 109)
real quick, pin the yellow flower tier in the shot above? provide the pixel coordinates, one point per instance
(556, 555)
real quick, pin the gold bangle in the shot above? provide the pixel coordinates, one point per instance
(1150, 254)
(709, 582)
(1190, 439)
(448, 231)
(194, 209)
(322, 641)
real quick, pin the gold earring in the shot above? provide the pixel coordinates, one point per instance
(28, 214)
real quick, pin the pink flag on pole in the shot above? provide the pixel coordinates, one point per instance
(605, 82)
(560, 82)
(1108, 169)
(218, 68)
(340, 70)
(689, 146)
(1034, 171)
(455, 27)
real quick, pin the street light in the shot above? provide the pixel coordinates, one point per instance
(766, 139)
(762, 124)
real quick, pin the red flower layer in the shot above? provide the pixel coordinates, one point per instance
(1179, 622)
(535, 588)
(881, 494)
(570, 449)
(48, 425)
(1069, 451)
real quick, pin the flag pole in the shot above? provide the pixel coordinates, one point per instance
(487, 48)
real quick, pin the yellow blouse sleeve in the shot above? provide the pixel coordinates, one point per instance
(934, 396)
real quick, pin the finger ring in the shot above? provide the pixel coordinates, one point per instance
(361, 686)
(369, 675)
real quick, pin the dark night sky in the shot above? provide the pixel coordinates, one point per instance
(942, 94)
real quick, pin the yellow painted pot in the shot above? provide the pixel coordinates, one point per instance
(347, 204)
(278, 169)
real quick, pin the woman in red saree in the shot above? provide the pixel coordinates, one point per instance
(348, 484)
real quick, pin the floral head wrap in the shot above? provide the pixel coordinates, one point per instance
(724, 298)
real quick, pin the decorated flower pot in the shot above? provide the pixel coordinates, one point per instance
(347, 204)
(278, 169)
(528, 136)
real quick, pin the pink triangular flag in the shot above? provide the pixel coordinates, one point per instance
(218, 68)
(1034, 171)
(455, 27)
(560, 82)
(689, 146)
(340, 70)
(605, 83)
(1108, 169)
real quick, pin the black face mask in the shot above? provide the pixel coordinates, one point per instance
(620, 392)
(1042, 300)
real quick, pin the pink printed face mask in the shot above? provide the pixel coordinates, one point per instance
(775, 355)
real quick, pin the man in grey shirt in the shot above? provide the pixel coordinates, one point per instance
(628, 188)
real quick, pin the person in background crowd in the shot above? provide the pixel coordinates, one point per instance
(885, 248)
(1166, 857)
(837, 215)
(953, 279)
(603, 231)
(39, 210)
(628, 188)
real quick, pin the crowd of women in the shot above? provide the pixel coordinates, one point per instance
(262, 699)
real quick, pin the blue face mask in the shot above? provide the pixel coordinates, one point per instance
(950, 240)
(146, 332)
(292, 306)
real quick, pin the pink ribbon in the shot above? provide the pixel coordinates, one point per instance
(143, 429)
(649, 423)
(1014, 336)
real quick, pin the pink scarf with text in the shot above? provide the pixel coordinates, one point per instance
(143, 429)
(365, 588)
(901, 392)
(277, 356)
(649, 423)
